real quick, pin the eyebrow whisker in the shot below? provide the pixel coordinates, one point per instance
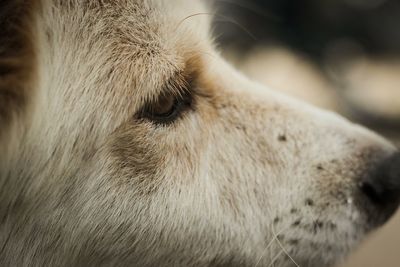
(194, 15)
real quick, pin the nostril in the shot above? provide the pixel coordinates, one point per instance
(378, 191)
(382, 187)
(373, 192)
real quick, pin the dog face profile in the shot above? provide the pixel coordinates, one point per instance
(126, 140)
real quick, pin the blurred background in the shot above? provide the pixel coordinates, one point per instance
(342, 55)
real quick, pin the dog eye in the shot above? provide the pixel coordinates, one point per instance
(167, 108)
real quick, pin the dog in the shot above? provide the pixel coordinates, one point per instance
(127, 140)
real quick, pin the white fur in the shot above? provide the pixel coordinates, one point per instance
(244, 176)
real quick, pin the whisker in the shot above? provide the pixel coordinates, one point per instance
(257, 9)
(275, 258)
(230, 20)
(222, 19)
(275, 237)
(193, 15)
(284, 250)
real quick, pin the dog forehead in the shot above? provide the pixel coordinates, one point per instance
(155, 33)
(153, 14)
(162, 22)
(157, 37)
(146, 20)
(134, 40)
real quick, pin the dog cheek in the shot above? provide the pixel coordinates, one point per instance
(135, 161)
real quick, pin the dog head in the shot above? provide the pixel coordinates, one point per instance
(129, 141)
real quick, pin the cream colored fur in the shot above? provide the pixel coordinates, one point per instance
(247, 178)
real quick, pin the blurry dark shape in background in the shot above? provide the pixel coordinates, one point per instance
(351, 45)
(313, 26)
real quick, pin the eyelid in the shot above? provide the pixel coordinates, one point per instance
(178, 84)
(182, 91)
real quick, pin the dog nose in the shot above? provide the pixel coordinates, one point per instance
(382, 187)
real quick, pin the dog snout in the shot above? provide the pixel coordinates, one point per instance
(381, 189)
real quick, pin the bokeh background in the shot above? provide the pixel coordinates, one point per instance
(342, 55)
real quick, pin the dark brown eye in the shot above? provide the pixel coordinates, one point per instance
(167, 108)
